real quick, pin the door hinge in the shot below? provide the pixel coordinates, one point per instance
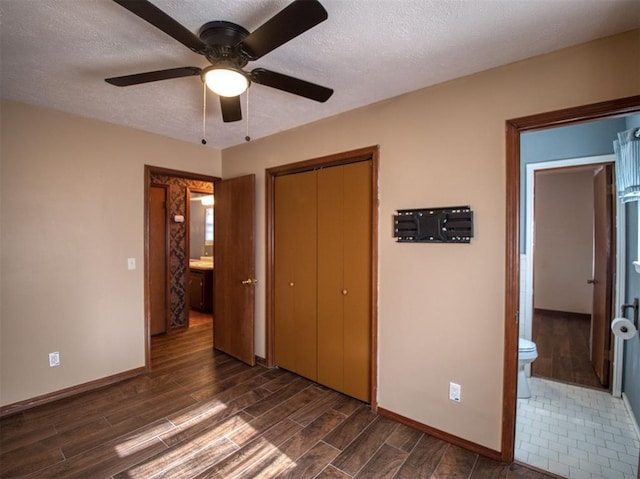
(517, 317)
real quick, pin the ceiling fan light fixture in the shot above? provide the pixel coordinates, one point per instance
(229, 47)
(226, 81)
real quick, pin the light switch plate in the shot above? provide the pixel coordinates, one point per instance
(54, 359)
(131, 263)
(455, 392)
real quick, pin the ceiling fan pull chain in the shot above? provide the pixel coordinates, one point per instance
(247, 137)
(204, 113)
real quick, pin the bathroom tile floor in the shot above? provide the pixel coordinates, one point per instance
(576, 432)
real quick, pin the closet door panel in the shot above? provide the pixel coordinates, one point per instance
(357, 280)
(331, 343)
(295, 273)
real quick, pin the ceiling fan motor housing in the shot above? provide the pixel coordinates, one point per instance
(223, 39)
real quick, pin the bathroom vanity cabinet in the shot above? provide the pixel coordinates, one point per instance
(201, 289)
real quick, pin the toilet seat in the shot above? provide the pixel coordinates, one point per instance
(525, 346)
(527, 350)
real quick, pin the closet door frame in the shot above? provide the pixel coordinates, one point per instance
(363, 154)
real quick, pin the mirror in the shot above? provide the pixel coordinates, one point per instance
(200, 224)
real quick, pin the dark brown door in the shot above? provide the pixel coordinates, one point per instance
(602, 273)
(158, 259)
(234, 279)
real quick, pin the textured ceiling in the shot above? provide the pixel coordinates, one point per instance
(56, 54)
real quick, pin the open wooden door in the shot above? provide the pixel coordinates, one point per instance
(234, 278)
(158, 252)
(602, 273)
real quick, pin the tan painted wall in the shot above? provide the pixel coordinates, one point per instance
(441, 313)
(72, 212)
(563, 253)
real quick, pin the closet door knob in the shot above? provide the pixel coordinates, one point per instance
(292, 284)
(344, 292)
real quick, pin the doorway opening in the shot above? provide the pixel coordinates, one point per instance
(166, 250)
(200, 248)
(558, 257)
(515, 128)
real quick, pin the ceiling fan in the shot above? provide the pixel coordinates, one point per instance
(229, 47)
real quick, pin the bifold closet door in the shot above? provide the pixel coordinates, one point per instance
(295, 273)
(344, 278)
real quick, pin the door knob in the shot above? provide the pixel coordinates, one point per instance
(344, 292)
(591, 281)
(250, 281)
(292, 284)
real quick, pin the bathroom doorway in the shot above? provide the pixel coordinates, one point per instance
(557, 405)
(559, 290)
(200, 253)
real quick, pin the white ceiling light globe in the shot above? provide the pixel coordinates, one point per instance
(226, 82)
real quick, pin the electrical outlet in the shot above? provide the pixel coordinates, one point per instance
(54, 359)
(455, 391)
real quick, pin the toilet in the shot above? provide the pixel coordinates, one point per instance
(527, 353)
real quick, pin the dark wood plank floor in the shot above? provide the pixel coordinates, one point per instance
(563, 348)
(201, 414)
(197, 317)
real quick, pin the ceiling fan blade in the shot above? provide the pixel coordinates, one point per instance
(231, 110)
(297, 18)
(291, 85)
(157, 75)
(156, 17)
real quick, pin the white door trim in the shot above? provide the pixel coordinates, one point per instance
(526, 270)
(618, 297)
